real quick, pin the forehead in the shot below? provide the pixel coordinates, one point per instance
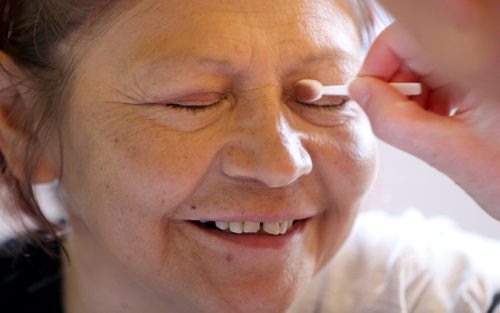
(232, 15)
(234, 32)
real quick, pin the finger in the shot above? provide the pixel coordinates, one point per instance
(405, 74)
(461, 13)
(402, 122)
(381, 61)
(392, 48)
(395, 49)
(440, 101)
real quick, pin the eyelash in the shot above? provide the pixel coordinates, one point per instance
(195, 108)
(320, 106)
(201, 108)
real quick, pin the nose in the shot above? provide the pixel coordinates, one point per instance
(266, 148)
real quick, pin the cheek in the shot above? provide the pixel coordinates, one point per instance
(122, 182)
(121, 191)
(345, 162)
(154, 172)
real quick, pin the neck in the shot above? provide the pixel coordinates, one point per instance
(95, 282)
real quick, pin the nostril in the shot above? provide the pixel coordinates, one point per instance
(289, 170)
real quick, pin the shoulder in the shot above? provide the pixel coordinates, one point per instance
(408, 263)
(417, 264)
(29, 277)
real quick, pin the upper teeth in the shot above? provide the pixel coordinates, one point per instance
(273, 228)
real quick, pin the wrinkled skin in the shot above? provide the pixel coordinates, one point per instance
(137, 169)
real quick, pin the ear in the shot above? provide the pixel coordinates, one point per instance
(15, 113)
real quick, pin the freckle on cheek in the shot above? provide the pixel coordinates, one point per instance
(193, 207)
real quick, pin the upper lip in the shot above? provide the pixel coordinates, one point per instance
(253, 218)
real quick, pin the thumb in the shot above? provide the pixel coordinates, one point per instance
(404, 123)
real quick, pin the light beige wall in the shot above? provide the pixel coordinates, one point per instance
(405, 181)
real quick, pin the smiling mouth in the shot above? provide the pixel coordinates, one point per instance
(249, 227)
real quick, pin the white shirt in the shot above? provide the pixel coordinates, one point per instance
(407, 264)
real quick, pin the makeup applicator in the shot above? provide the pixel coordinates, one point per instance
(309, 90)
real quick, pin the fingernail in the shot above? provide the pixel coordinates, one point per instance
(359, 90)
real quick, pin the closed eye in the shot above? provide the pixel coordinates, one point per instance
(327, 103)
(196, 107)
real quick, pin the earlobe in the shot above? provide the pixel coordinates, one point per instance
(14, 119)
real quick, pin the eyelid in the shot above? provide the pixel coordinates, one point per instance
(204, 99)
(196, 107)
(327, 102)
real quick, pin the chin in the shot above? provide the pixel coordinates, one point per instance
(271, 294)
(275, 302)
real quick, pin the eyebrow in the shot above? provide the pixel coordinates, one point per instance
(338, 55)
(223, 65)
(211, 63)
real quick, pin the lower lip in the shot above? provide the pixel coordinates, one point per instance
(255, 241)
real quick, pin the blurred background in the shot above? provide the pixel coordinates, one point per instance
(405, 182)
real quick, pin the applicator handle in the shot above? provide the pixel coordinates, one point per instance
(407, 89)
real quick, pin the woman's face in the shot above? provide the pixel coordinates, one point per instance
(183, 112)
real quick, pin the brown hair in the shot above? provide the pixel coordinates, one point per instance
(30, 31)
